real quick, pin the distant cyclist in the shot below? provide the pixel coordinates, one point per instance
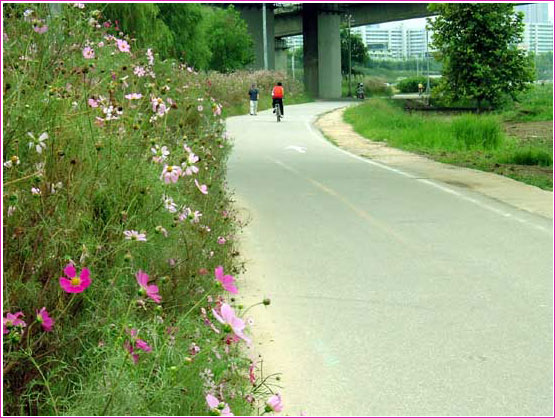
(277, 97)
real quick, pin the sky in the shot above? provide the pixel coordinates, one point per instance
(421, 23)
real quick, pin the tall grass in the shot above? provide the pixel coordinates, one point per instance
(469, 140)
(477, 132)
(534, 105)
(385, 121)
(71, 202)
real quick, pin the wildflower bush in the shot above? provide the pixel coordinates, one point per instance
(118, 237)
(233, 89)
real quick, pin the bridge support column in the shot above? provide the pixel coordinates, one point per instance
(322, 50)
(252, 14)
(281, 55)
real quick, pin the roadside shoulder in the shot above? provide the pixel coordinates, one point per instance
(504, 189)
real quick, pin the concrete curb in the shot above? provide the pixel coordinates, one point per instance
(520, 195)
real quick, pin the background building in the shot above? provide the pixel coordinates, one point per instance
(538, 33)
(401, 41)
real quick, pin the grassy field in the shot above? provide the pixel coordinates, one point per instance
(534, 105)
(476, 141)
(114, 166)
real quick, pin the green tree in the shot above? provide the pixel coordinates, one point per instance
(478, 46)
(142, 22)
(188, 24)
(359, 52)
(228, 39)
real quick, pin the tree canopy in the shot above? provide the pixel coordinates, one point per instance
(359, 52)
(478, 46)
(209, 38)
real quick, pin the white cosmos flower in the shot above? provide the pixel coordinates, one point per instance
(38, 143)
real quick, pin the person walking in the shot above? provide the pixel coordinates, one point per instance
(253, 95)
(277, 97)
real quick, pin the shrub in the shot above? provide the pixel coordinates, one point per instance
(410, 85)
(375, 86)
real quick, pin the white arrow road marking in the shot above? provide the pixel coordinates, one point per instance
(302, 150)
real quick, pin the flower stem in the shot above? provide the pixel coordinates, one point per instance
(46, 384)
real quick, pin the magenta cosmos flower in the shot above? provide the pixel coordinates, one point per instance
(12, 320)
(226, 280)
(74, 283)
(45, 320)
(149, 290)
(135, 344)
(274, 404)
(230, 321)
(217, 407)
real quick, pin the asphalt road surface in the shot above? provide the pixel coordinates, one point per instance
(391, 294)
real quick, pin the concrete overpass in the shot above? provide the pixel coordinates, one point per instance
(319, 23)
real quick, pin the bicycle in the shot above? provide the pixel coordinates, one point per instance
(277, 111)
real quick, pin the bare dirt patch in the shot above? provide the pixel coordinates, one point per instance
(527, 131)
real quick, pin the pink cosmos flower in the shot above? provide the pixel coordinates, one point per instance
(40, 29)
(74, 283)
(160, 154)
(229, 319)
(274, 403)
(193, 217)
(162, 109)
(12, 320)
(150, 57)
(170, 174)
(188, 166)
(202, 187)
(149, 290)
(88, 52)
(217, 407)
(139, 71)
(133, 96)
(169, 204)
(123, 46)
(221, 240)
(134, 235)
(226, 280)
(45, 320)
(194, 349)
(92, 102)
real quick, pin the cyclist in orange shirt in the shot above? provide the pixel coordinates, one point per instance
(277, 97)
